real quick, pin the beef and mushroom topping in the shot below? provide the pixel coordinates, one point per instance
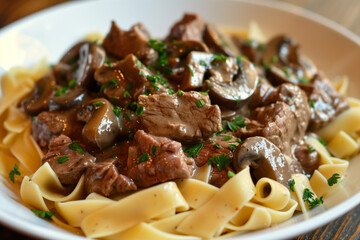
(137, 111)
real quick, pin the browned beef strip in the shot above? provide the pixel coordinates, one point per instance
(328, 103)
(190, 27)
(169, 161)
(119, 43)
(282, 118)
(180, 117)
(70, 171)
(48, 125)
(129, 76)
(104, 178)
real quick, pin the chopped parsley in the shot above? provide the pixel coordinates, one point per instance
(230, 174)
(153, 149)
(112, 83)
(310, 149)
(13, 172)
(308, 196)
(108, 62)
(226, 138)
(274, 59)
(138, 63)
(236, 123)
(72, 83)
(205, 93)
(62, 159)
(143, 158)
(203, 63)
(238, 140)
(322, 141)
(193, 151)
(238, 60)
(292, 184)
(76, 147)
(33, 118)
(117, 111)
(217, 145)
(191, 71)
(98, 104)
(162, 62)
(139, 111)
(180, 93)
(312, 103)
(220, 161)
(113, 156)
(333, 179)
(43, 214)
(200, 103)
(60, 91)
(232, 146)
(303, 80)
(286, 71)
(219, 57)
(265, 65)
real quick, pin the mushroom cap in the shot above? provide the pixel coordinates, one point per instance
(101, 126)
(264, 158)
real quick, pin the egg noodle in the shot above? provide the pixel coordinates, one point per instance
(181, 209)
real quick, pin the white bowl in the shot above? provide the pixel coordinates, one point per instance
(48, 34)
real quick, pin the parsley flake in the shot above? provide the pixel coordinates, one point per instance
(308, 196)
(238, 60)
(43, 214)
(193, 151)
(98, 104)
(180, 93)
(153, 149)
(310, 149)
(76, 147)
(333, 179)
(140, 110)
(143, 158)
(219, 57)
(232, 146)
(217, 145)
(230, 174)
(190, 69)
(203, 63)
(13, 172)
(117, 111)
(303, 80)
(200, 103)
(62, 159)
(226, 138)
(322, 141)
(236, 124)
(72, 83)
(274, 59)
(220, 161)
(292, 184)
(312, 103)
(286, 71)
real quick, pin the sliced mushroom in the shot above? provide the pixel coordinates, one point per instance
(80, 63)
(101, 126)
(251, 49)
(284, 64)
(181, 49)
(234, 94)
(38, 102)
(199, 64)
(219, 42)
(71, 98)
(264, 159)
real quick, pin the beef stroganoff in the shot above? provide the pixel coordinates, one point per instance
(202, 134)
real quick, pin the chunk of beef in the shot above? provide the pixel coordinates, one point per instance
(104, 178)
(48, 125)
(282, 118)
(126, 80)
(275, 122)
(119, 152)
(69, 171)
(219, 178)
(327, 102)
(148, 165)
(308, 158)
(187, 118)
(119, 43)
(190, 27)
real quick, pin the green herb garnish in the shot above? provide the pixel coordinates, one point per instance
(200, 103)
(333, 179)
(220, 161)
(310, 149)
(219, 57)
(62, 159)
(193, 151)
(191, 71)
(230, 174)
(292, 184)
(203, 63)
(236, 123)
(226, 138)
(117, 111)
(180, 93)
(153, 149)
(139, 110)
(274, 59)
(232, 146)
(238, 60)
(72, 83)
(98, 104)
(286, 71)
(43, 214)
(217, 145)
(13, 172)
(303, 80)
(308, 196)
(143, 158)
(76, 147)
(312, 103)
(322, 141)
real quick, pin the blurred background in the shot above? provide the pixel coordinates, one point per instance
(344, 12)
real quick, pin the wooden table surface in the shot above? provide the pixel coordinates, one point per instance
(344, 12)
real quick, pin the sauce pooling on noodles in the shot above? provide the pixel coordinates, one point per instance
(134, 112)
